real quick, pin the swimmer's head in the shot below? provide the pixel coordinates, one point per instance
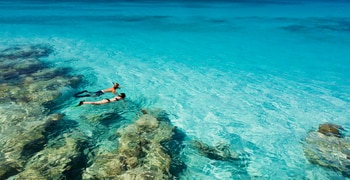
(122, 95)
(115, 85)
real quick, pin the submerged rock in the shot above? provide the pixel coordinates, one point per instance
(32, 51)
(220, 152)
(56, 162)
(29, 90)
(330, 129)
(140, 154)
(325, 148)
(20, 143)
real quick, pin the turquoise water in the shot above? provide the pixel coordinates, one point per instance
(258, 76)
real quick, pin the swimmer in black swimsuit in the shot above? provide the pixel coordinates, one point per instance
(104, 101)
(86, 93)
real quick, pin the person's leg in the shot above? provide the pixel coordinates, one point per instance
(104, 101)
(99, 93)
(79, 94)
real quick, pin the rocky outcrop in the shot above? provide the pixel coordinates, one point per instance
(140, 154)
(328, 148)
(330, 129)
(28, 92)
(32, 147)
(57, 162)
(220, 152)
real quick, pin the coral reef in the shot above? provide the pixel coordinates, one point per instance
(235, 161)
(220, 152)
(140, 154)
(328, 148)
(28, 92)
(33, 145)
(56, 162)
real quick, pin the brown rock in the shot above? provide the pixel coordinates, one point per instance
(330, 129)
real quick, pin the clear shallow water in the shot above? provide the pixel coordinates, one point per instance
(258, 76)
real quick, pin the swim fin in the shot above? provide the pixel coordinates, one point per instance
(80, 103)
(76, 94)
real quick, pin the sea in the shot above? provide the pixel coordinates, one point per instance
(257, 75)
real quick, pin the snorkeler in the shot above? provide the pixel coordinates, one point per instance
(86, 93)
(104, 101)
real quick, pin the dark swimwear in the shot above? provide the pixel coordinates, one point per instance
(99, 93)
(86, 93)
(116, 99)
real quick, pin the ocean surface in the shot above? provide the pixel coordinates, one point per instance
(256, 75)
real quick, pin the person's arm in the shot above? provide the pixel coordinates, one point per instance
(114, 91)
(115, 87)
(109, 90)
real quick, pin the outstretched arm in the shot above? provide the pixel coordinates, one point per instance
(112, 89)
